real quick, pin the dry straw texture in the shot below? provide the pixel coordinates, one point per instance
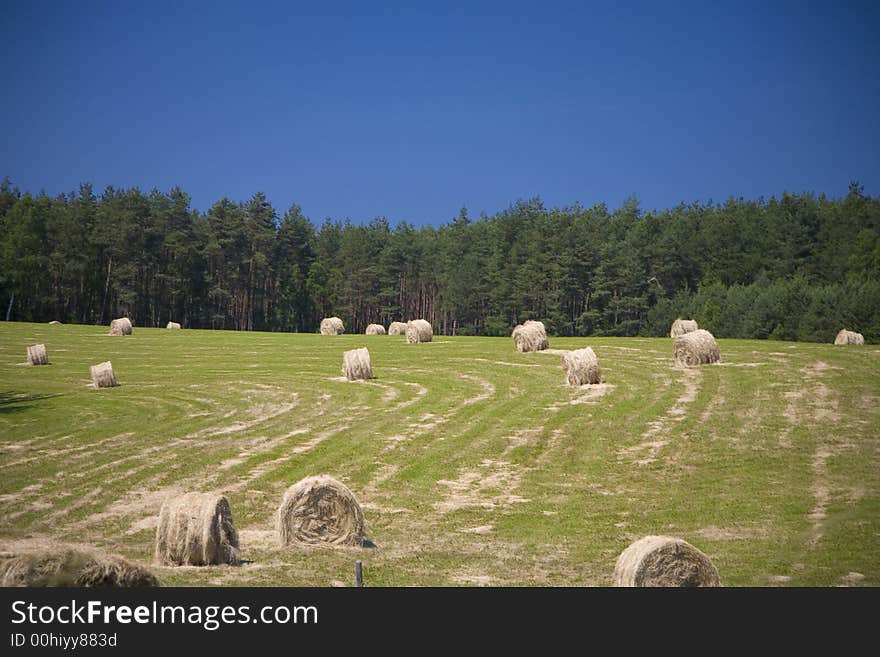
(356, 364)
(172, 325)
(121, 326)
(664, 561)
(37, 355)
(581, 367)
(375, 329)
(320, 511)
(682, 326)
(849, 337)
(397, 328)
(695, 348)
(196, 529)
(418, 330)
(68, 566)
(102, 375)
(531, 336)
(332, 326)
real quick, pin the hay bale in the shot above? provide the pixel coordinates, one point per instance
(195, 529)
(531, 336)
(121, 326)
(695, 348)
(102, 375)
(664, 561)
(375, 329)
(37, 355)
(397, 328)
(581, 367)
(320, 511)
(849, 337)
(332, 326)
(54, 322)
(418, 330)
(356, 364)
(682, 326)
(68, 566)
(173, 325)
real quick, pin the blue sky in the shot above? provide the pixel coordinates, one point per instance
(411, 110)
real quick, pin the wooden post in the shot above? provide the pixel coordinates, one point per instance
(359, 573)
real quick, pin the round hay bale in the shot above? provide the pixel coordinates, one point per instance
(196, 529)
(102, 375)
(332, 326)
(173, 325)
(375, 329)
(418, 330)
(68, 566)
(397, 328)
(581, 367)
(121, 326)
(320, 511)
(682, 326)
(531, 336)
(664, 561)
(695, 348)
(54, 322)
(37, 355)
(356, 364)
(849, 337)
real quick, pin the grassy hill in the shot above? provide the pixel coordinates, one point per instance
(475, 464)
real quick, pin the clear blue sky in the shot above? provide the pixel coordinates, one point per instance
(412, 110)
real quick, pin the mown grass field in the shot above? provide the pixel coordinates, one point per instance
(475, 464)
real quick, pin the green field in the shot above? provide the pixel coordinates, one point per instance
(475, 464)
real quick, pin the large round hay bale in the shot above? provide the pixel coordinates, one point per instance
(664, 561)
(37, 355)
(121, 326)
(332, 326)
(320, 511)
(397, 328)
(581, 367)
(682, 326)
(849, 337)
(103, 376)
(196, 529)
(531, 336)
(356, 364)
(68, 566)
(418, 330)
(173, 325)
(695, 348)
(375, 329)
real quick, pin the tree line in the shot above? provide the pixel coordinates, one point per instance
(797, 267)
